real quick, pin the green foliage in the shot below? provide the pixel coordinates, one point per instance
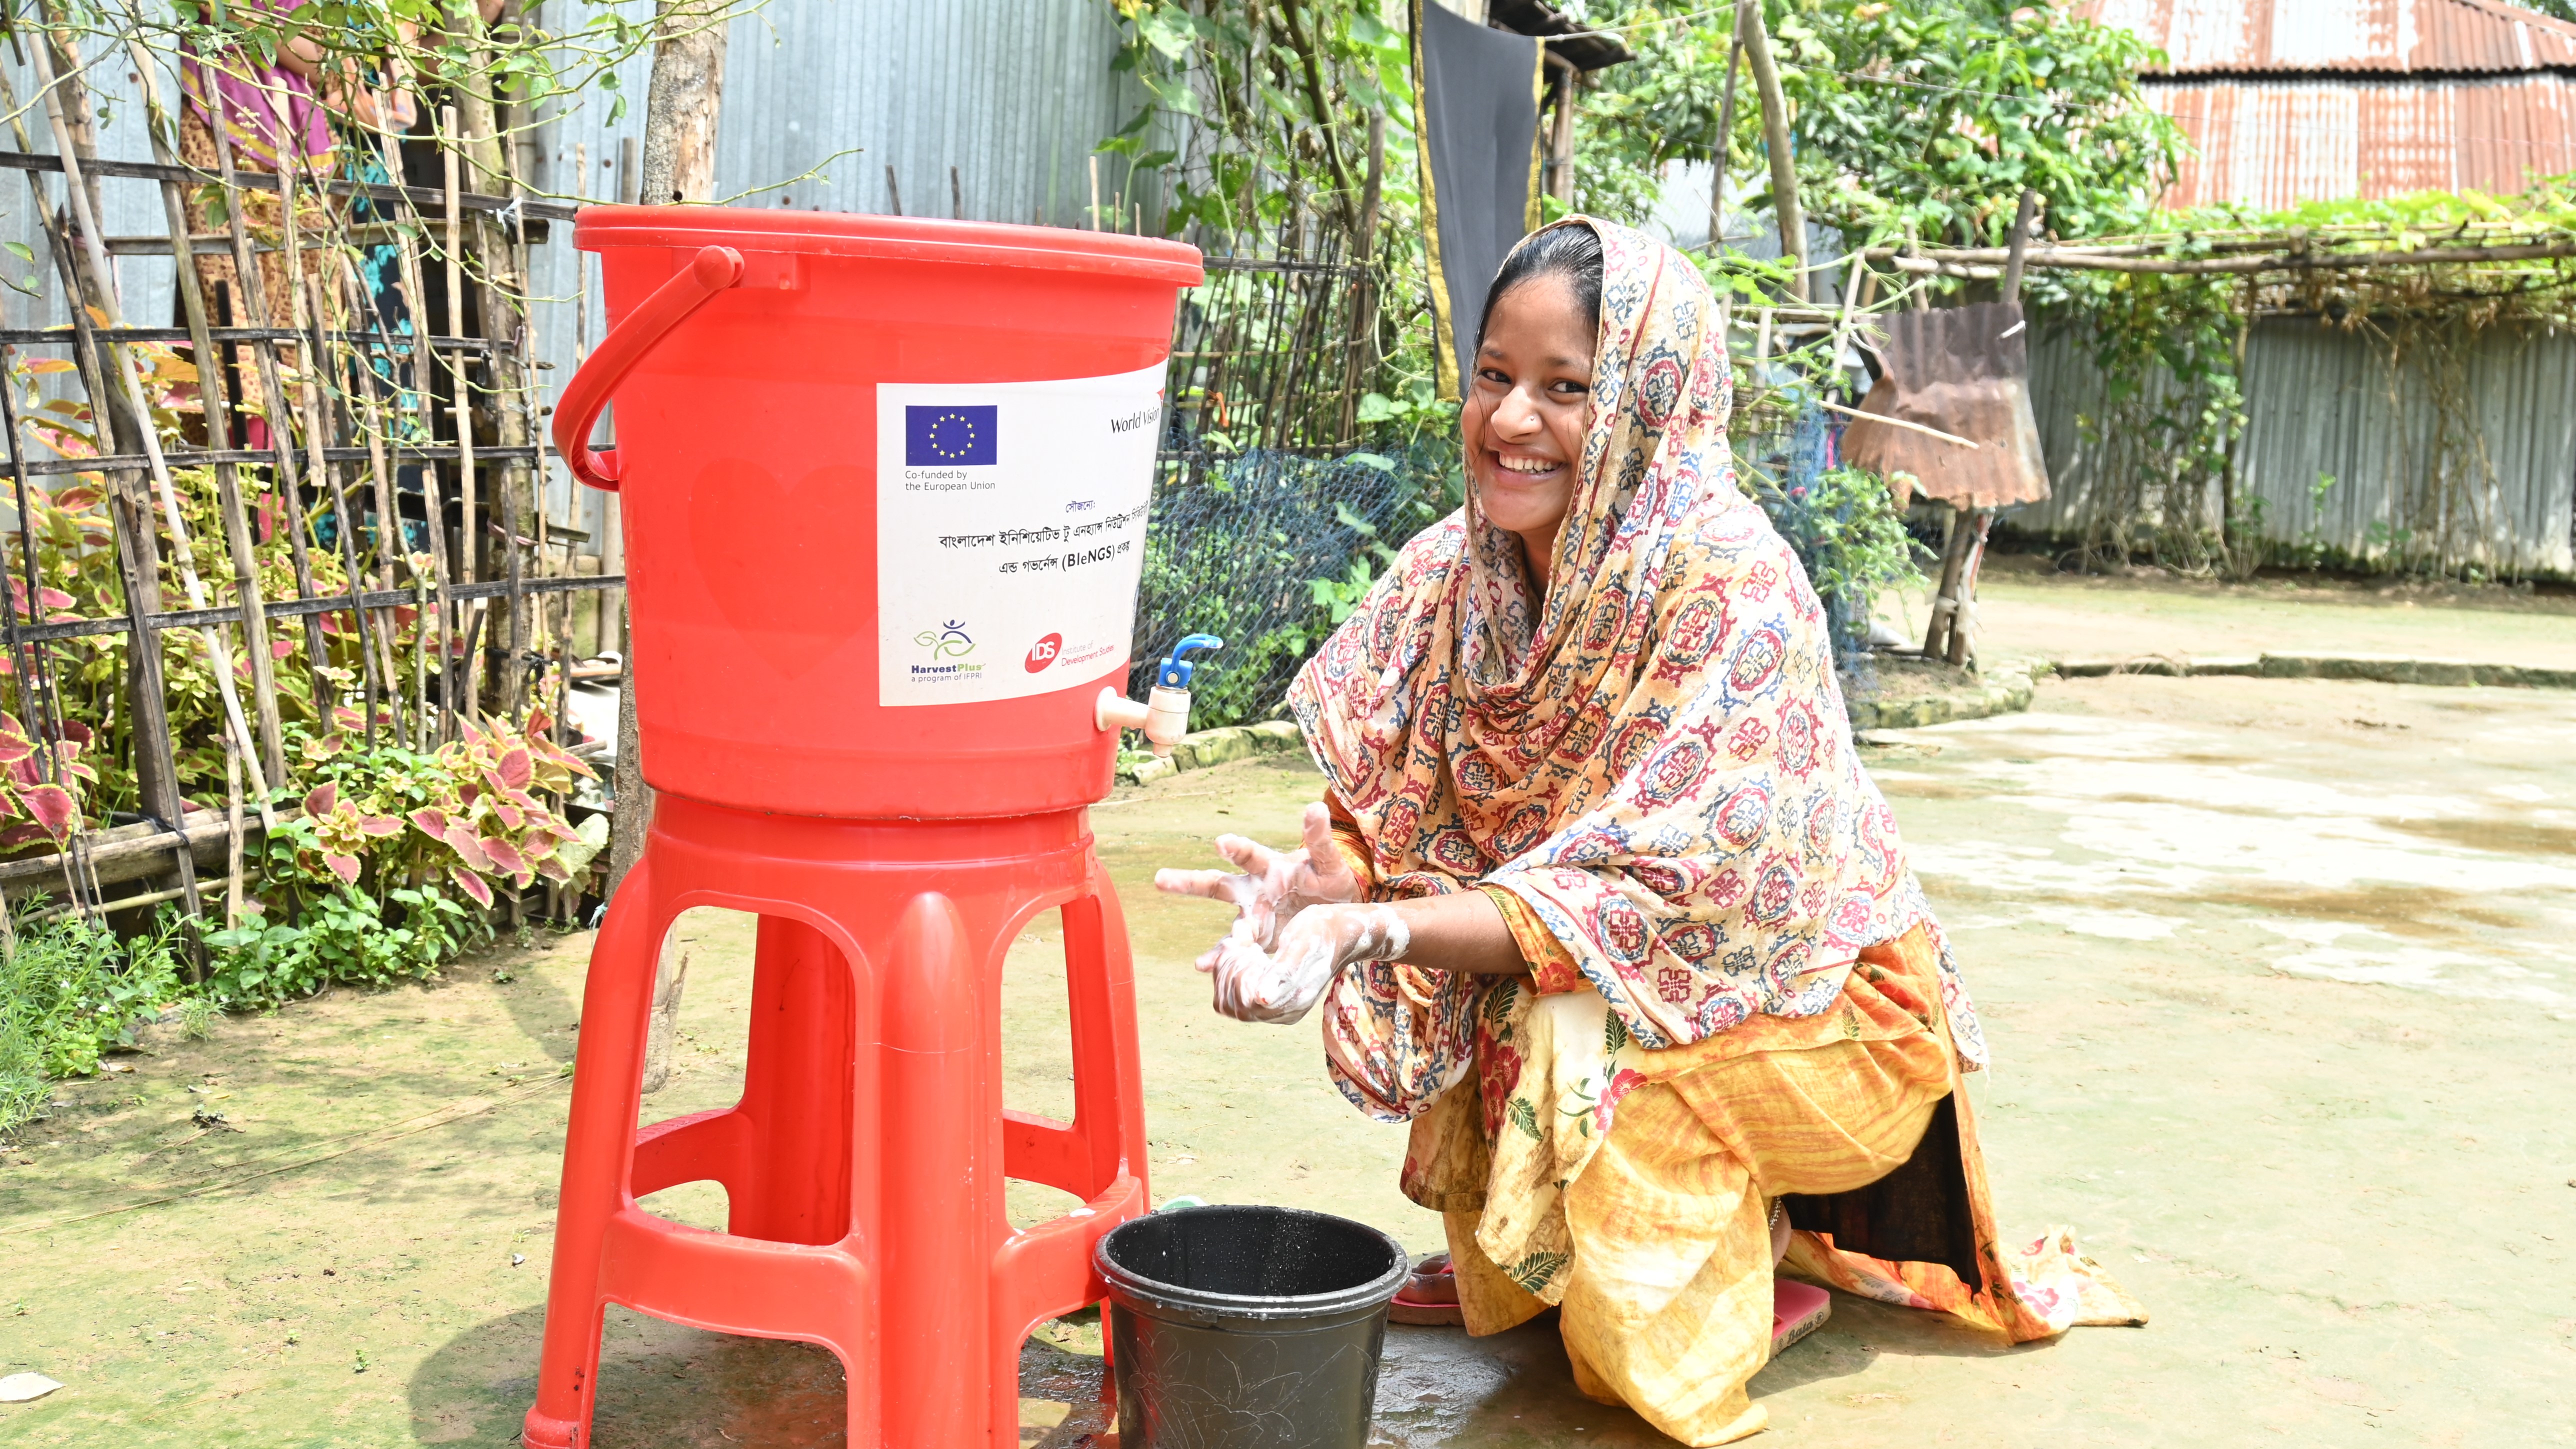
(387, 872)
(69, 991)
(1929, 120)
(1846, 528)
(1258, 114)
(1661, 107)
(2166, 348)
(38, 796)
(342, 937)
(517, 56)
(1913, 119)
(1245, 155)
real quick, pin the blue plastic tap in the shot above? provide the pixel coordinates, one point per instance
(1177, 667)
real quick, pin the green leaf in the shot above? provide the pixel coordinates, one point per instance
(1535, 1271)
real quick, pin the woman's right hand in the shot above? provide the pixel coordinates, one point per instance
(1269, 887)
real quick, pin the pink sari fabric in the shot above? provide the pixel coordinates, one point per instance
(1654, 756)
(268, 111)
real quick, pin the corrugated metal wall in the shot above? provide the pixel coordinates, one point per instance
(2323, 401)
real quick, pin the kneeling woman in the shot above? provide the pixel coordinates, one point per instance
(1600, 898)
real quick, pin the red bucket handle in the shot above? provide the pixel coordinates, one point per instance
(713, 270)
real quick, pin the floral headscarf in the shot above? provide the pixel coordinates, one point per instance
(1655, 758)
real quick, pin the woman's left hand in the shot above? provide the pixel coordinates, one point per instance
(1270, 887)
(1283, 983)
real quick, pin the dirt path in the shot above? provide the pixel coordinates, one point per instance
(2274, 970)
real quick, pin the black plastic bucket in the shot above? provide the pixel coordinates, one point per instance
(1247, 1327)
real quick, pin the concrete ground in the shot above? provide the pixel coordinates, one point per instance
(2273, 971)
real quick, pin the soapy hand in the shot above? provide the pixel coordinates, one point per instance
(1283, 983)
(1269, 888)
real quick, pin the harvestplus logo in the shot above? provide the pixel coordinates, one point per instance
(948, 645)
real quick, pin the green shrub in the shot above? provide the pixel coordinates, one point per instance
(69, 991)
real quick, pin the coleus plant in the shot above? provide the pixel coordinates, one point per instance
(37, 804)
(471, 811)
(497, 826)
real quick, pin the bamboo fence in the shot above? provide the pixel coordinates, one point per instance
(493, 601)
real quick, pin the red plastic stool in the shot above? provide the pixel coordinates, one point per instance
(864, 1165)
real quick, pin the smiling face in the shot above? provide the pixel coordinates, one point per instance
(1523, 420)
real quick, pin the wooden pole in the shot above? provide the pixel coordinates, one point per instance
(680, 123)
(137, 555)
(216, 405)
(1560, 139)
(1775, 139)
(478, 139)
(389, 532)
(469, 697)
(433, 498)
(232, 836)
(686, 101)
(1945, 597)
(1721, 155)
(1954, 611)
(500, 285)
(1963, 613)
(612, 513)
(2017, 254)
(299, 552)
(1722, 152)
(1987, 262)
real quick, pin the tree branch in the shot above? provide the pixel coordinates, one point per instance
(1313, 70)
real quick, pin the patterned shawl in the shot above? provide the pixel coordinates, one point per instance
(1655, 758)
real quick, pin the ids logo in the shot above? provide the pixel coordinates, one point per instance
(948, 641)
(1043, 653)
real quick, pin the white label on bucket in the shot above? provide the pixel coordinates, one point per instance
(1010, 533)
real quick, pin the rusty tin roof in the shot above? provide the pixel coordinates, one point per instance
(2298, 37)
(2274, 143)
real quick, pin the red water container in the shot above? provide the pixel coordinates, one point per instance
(884, 484)
(752, 471)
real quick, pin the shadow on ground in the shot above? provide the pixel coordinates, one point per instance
(661, 1386)
(668, 1387)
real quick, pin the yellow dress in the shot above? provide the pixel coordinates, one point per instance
(1666, 1298)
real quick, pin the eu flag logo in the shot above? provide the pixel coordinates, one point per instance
(948, 436)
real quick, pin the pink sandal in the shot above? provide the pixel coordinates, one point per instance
(1430, 1296)
(1797, 1309)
